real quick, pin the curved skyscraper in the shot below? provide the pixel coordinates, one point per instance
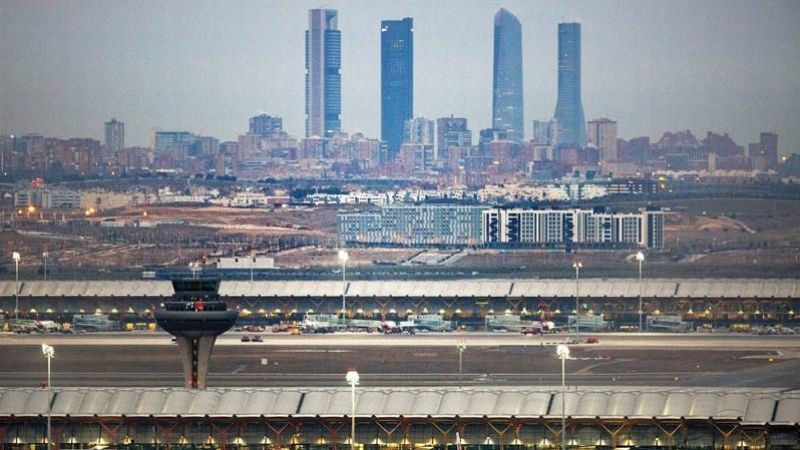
(507, 113)
(397, 80)
(569, 108)
(323, 77)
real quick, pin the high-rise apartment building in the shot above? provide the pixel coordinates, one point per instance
(115, 135)
(545, 132)
(323, 73)
(507, 112)
(206, 146)
(172, 139)
(452, 132)
(603, 134)
(417, 153)
(266, 126)
(397, 80)
(418, 131)
(769, 149)
(569, 108)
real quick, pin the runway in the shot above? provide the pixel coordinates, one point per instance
(150, 359)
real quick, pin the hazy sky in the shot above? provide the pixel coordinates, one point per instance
(66, 67)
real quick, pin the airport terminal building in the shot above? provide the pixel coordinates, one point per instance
(508, 418)
(711, 303)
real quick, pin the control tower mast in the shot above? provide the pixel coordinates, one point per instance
(195, 316)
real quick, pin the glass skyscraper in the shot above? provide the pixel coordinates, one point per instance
(569, 108)
(397, 80)
(323, 73)
(507, 112)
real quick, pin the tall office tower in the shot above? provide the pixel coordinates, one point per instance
(569, 108)
(266, 126)
(323, 76)
(418, 131)
(115, 135)
(397, 80)
(507, 113)
(603, 134)
(452, 132)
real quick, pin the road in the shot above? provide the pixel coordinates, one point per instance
(149, 359)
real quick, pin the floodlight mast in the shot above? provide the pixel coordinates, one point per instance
(563, 354)
(577, 266)
(640, 258)
(352, 378)
(343, 257)
(16, 257)
(49, 353)
(461, 345)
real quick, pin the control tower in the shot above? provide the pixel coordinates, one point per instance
(195, 316)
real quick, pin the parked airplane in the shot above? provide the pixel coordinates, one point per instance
(46, 326)
(392, 327)
(539, 327)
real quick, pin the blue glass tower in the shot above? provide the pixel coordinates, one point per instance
(397, 80)
(323, 73)
(507, 112)
(569, 108)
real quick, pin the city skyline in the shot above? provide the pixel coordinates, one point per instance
(653, 67)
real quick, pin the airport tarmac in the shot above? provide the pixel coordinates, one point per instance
(150, 359)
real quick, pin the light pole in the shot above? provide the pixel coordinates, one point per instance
(49, 353)
(640, 258)
(44, 259)
(577, 266)
(194, 267)
(352, 378)
(563, 354)
(461, 347)
(16, 258)
(343, 256)
(541, 327)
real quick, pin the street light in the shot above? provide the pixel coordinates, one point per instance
(577, 266)
(461, 347)
(640, 258)
(252, 263)
(352, 378)
(49, 353)
(343, 256)
(563, 354)
(16, 257)
(194, 267)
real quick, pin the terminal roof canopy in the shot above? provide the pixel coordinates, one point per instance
(688, 288)
(747, 406)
